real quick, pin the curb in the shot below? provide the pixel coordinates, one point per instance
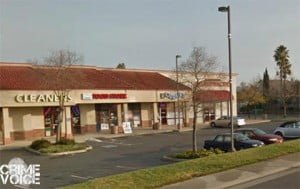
(258, 122)
(144, 134)
(172, 159)
(88, 148)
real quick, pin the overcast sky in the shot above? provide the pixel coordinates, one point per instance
(149, 33)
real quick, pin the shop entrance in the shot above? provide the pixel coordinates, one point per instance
(1, 127)
(163, 113)
(75, 119)
(134, 114)
(209, 113)
(106, 115)
(51, 117)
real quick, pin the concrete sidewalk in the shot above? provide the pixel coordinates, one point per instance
(240, 175)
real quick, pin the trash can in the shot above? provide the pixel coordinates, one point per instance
(114, 129)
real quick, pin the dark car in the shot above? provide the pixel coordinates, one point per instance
(257, 134)
(223, 142)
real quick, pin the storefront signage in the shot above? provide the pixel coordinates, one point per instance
(127, 128)
(104, 126)
(93, 96)
(171, 96)
(37, 98)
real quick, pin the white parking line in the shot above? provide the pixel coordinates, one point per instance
(23, 187)
(80, 177)
(126, 167)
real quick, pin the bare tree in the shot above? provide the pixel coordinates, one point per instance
(193, 73)
(251, 94)
(57, 76)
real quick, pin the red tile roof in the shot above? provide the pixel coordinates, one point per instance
(213, 96)
(28, 77)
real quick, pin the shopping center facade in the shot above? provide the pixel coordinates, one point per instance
(101, 97)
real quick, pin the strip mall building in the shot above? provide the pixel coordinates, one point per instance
(28, 108)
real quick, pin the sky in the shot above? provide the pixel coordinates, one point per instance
(149, 33)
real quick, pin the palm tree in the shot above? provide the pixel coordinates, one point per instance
(281, 57)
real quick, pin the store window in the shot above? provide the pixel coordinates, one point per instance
(51, 116)
(106, 115)
(75, 121)
(134, 114)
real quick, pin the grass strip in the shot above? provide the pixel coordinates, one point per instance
(57, 148)
(167, 174)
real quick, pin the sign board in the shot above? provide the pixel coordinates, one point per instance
(104, 126)
(87, 96)
(127, 128)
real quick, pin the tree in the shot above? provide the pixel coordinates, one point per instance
(193, 72)
(58, 79)
(250, 94)
(121, 66)
(281, 57)
(266, 83)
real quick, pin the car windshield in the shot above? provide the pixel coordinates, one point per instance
(259, 132)
(240, 137)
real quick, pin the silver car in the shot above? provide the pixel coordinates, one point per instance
(290, 129)
(224, 121)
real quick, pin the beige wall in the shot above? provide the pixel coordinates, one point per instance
(25, 119)
(87, 114)
(147, 111)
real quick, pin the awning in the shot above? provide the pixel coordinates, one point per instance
(213, 96)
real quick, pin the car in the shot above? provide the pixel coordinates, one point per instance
(289, 129)
(223, 142)
(224, 121)
(257, 134)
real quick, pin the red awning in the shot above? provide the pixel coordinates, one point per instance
(213, 96)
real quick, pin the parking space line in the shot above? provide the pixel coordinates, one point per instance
(80, 177)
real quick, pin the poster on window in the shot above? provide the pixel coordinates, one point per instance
(104, 126)
(127, 128)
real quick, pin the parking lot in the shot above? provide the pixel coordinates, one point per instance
(112, 156)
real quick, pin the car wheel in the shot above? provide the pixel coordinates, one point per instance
(213, 124)
(279, 134)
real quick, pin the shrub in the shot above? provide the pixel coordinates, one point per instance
(39, 144)
(198, 154)
(65, 141)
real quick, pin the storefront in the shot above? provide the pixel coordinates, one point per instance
(31, 111)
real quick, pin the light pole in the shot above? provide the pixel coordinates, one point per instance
(177, 93)
(227, 9)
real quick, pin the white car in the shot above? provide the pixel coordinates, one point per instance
(224, 121)
(290, 129)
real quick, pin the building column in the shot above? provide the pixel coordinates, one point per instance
(221, 109)
(155, 113)
(125, 109)
(67, 130)
(119, 114)
(7, 127)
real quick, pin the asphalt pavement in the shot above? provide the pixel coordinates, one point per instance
(113, 156)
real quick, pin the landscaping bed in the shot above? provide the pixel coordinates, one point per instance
(64, 146)
(168, 174)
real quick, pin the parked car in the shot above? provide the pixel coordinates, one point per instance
(290, 129)
(257, 134)
(223, 142)
(224, 121)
